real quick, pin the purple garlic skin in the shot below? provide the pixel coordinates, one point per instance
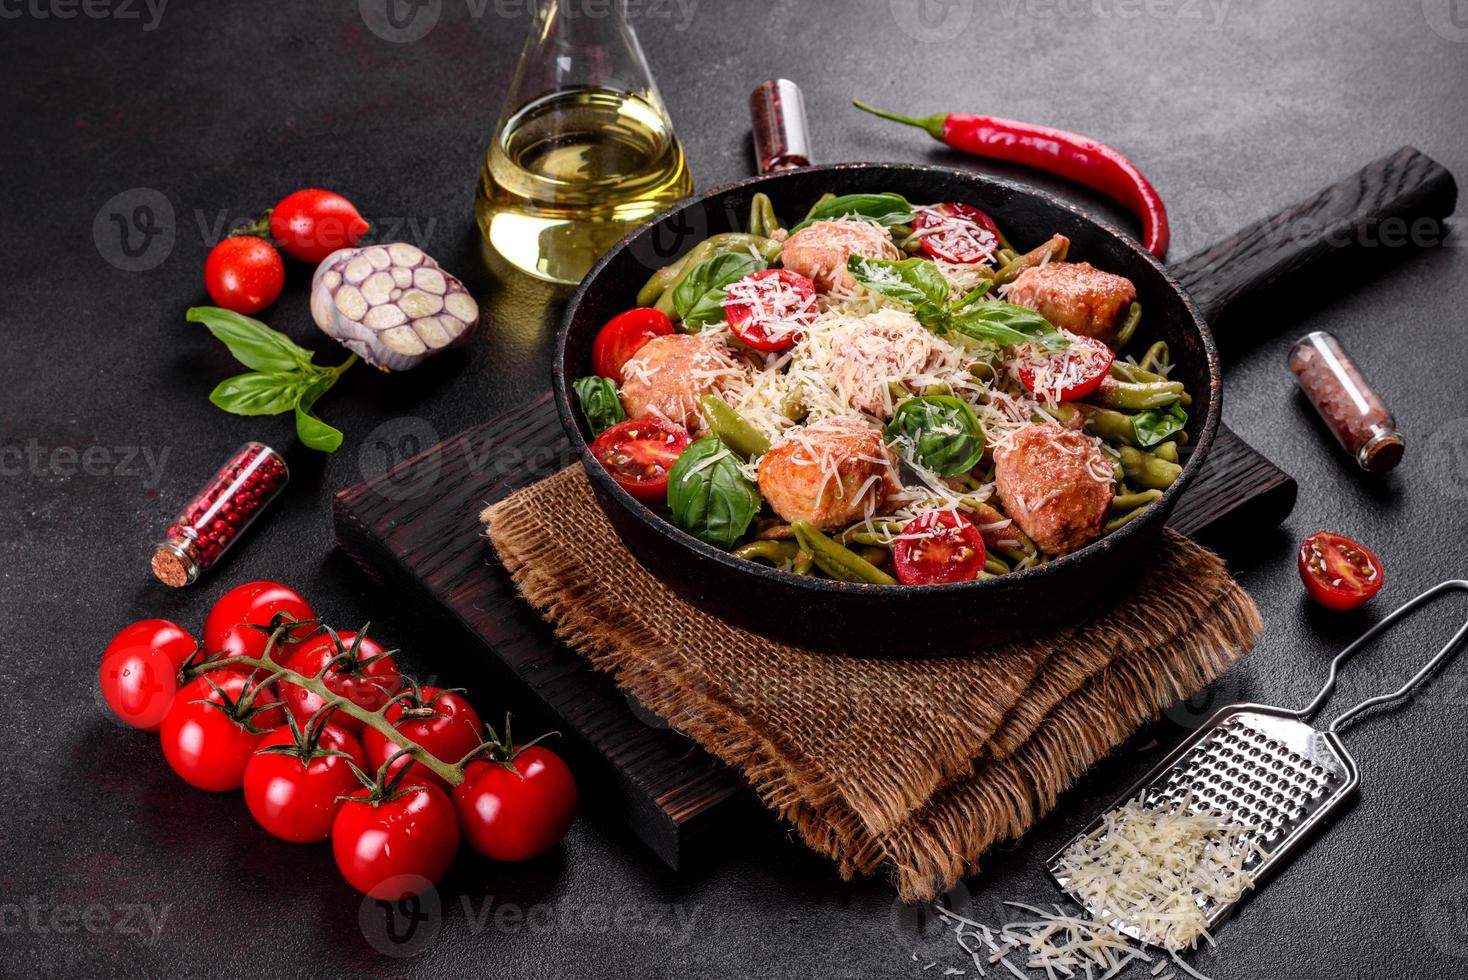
(391, 304)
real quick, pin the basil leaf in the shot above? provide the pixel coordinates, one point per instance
(257, 393)
(599, 403)
(1158, 425)
(713, 501)
(937, 432)
(916, 283)
(309, 429)
(883, 209)
(252, 343)
(1004, 323)
(699, 298)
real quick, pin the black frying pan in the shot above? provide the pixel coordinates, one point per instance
(903, 620)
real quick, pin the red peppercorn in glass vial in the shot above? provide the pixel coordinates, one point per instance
(1346, 402)
(220, 513)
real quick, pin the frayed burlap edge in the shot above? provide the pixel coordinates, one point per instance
(1043, 745)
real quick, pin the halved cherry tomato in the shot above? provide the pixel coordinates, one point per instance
(1339, 573)
(624, 336)
(769, 309)
(956, 232)
(941, 546)
(638, 454)
(1075, 372)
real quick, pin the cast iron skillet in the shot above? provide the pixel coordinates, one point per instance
(888, 620)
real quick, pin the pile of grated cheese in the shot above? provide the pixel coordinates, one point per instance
(1154, 872)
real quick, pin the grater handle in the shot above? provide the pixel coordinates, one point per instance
(1310, 710)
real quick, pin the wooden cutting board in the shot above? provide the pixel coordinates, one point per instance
(415, 528)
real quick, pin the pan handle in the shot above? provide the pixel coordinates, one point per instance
(1401, 199)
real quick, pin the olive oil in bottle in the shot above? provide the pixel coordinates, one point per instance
(571, 173)
(584, 150)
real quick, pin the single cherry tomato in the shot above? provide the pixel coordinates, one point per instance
(229, 629)
(395, 848)
(244, 274)
(623, 336)
(1064, 375)
(940, 546)
(1339, 573)
(769, 309)
(638, 454)
(139, 672)
(311, 224)
(439, 720)
(361, 670)
(293, 781)
(516, 810)
(214, 726)
(957, 233)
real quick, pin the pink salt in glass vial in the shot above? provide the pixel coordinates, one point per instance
(1346, 402)
(222, 511)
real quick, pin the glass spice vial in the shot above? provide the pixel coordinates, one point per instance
(214, 520)
(1346, 402)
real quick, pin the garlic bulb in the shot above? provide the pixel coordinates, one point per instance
(391, 304)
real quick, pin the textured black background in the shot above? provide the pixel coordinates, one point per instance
(1234, 108)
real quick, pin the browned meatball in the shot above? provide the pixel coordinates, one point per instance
(1075, 296)
(820, 250)
(888, 346)
(831, 473)
(670, 374)
(1056, 484)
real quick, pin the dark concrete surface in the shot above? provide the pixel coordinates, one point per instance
(1234, 107)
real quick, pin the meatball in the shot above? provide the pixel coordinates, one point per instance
(1056, 484)
(886, 347)
(820, 250)
(831, 473)
(1075, 296)
(671, 373)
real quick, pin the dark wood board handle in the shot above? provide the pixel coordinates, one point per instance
(1399, 200)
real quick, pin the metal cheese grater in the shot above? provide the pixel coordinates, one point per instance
(1267, 766)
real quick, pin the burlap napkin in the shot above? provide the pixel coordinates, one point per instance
(919, 764)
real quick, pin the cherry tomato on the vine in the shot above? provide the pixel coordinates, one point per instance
(1339, 573)
(229, 630)
(366, 675)
(639, 453)
(139, 672)
(439, 720)
(295, 795)
(516, 811)
(623, 336)
(207, 735)
(311, 224)
(395, 848)
(244, 274)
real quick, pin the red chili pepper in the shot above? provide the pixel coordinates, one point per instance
(1069, 155)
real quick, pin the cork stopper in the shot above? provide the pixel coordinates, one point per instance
(172, 565)
(1382, 452)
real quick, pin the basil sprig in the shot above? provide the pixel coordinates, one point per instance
(699, 298)
(714, 501)
(882, 209)
(282, 377)
(1159, 424)
(599, 403)
(918, 285)
(938, 432)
